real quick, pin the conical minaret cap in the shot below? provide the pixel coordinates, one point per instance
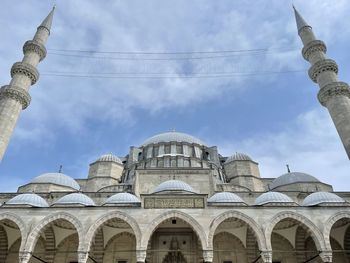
(48, 20)
(301, 23)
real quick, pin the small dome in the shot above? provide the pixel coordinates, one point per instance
(173, 185)
(123, 198)
(273, 197)
(172, 137)
(238, 157)
(322, 197)
(109, 158)
(75, 199)
(291, 178)
(28, 199)
(225, 197)
(56, 178)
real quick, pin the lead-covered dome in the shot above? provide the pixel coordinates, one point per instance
(56, 178)
(238, 157)
(75, 199)
(122, 198)
(225, 197)
(33, 200)
(173, 185)
(109, 158)
(292, 178)
(172, 137)
(273, 198)
(322, 198)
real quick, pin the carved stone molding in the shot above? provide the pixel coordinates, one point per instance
(331, 90)
(208, 255)
(83, 256)
(16, 93)
(322, 66)
(24, 256)
(266, 256)
(141, 255)
(313, 46)
(326, 256)
(35, 46)
(25, 69)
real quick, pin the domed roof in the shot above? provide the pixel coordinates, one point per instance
(56, 178)
(74, 199)
(225, 197)
(291, 178)
(28, 199)
(109, 158)
(322, 197)
(238, 157)
(273, 197)
(173, 185)
(123, 198)
(172, 137)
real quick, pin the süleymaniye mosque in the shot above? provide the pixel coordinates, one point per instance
(175, 198)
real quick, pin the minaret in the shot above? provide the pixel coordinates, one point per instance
(333, 94)
(15, 97)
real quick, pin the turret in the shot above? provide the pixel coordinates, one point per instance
(333, 94)
(15, 97)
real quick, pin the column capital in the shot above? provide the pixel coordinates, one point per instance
(208, 255)
(333, 89)
(83, 256)
(326, 256)
(141, 256)
(266, 256)
(24, 256)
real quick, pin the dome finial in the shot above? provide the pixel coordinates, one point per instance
(60, 169)
(288, 169)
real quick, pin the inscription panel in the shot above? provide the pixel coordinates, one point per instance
(153, 202)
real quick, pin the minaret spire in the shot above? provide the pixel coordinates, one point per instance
(15, 96)
(333, 94)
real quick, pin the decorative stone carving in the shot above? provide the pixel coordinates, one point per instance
(322, 66)
(25, 69)
(35, 46)
(313, 46)
(208, 255)
(266, 256)
(326, 256)
(174, 202)
(141, 256)
(16, 93)
(331, 90)
(24, 256)
(83, 256)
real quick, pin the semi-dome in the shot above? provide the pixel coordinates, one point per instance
(75, 199)
(123, 198)
(238, 157)
(172, 137)
(109, 158)
(291, 178)
(173, 185)
(322, 198)
(28, 200)
(56, 178)
(225, 197)
(273, 197)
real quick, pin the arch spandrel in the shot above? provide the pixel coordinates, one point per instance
(103, 219)
(197, 228)
(38, 228)
(329, 224)
(310, 227)
(243, 217)
(20, 224)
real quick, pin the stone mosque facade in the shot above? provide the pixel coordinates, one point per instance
(175, 198)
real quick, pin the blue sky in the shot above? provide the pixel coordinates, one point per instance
(275, 118)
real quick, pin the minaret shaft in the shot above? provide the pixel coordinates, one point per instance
(15, 97)
(333, 94)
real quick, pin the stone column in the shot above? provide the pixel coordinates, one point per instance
(208, 256)
(24, 256)
(266, 256)
(141, 256)
(326, 256)
(83, 256)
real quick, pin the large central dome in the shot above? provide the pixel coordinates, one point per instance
(172, 137)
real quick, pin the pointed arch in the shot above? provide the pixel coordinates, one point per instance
(35, 233)
(311, 228)
(198, 229)
(329, 224)
(99, 222)
(243, 217)
(20, 224)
